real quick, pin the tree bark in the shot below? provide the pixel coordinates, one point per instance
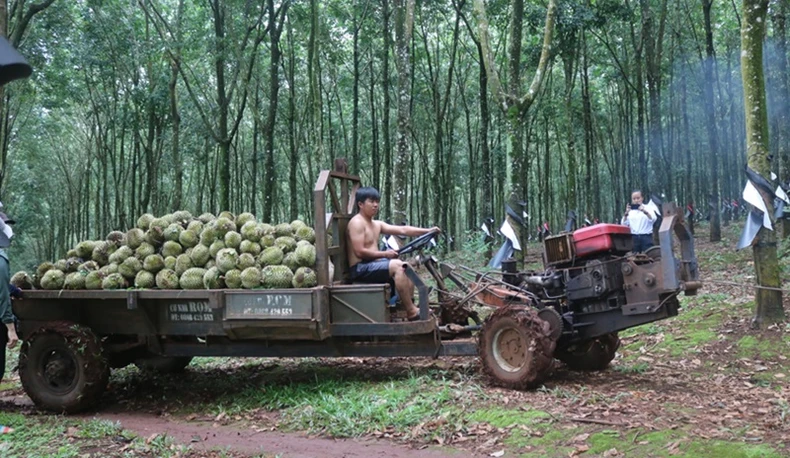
(709, 65)
(768, 303)
(404, 23)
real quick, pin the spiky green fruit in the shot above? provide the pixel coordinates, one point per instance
(161, 223)
(200, 255)
(224, 225)
(144, 221)
(226, 259)
(85, 248)
(192, 278)
(286, 244)
(129, 268)
(251, 231)
(88, 266)
(101, 252)
(155, 236)
(93, 280)
(206, 218)
(233, 279)
(208, 236)
(145, 249)
(267, 229)
(271, 256)
(144, 279)
(53, 279)
(167, 279)
(43, 268)
(244, 218)
(212, 279)
(277, 277)
(233, 240)
(227, 215)
(296, 224)
(215, 247)
(305, 255)
(209, 264)
(195, 226)
(134, 237)
(22, 280)
(251, 277)
(302, 242)
(171, 249)
(249, 247)
(153, 263)
(291, 261)
(267, 241)
(170, 262)
(304, 277)
(72, 264)
(283, 230)
(60, 264)
(72, 253)
(182, 217)
(246, 260)
(305, 233)
(183, 262)
(120, 255)
(114, 281)
(116, 238)
(172, 232)
(110, 268)
(188, 238)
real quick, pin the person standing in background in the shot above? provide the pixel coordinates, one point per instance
(640, 219)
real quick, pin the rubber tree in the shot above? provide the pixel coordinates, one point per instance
(404, 25)
(768, 302)
(514, 104)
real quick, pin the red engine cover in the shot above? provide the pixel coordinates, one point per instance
(602, 238)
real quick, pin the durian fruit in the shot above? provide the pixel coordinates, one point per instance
(155, 236)
(183, 262)
(250, 247)
(43, 268)
(102, 251)
(276, 277)
(88, 266)
(291, 260)
(212, 279)
(74, 280)
(286, 244)
(251, 277)
(244, 218)
(233, 279)
(144, 221)
(161, 223)
(188, 238)
(223, 225)
(85, 249)
(267, 229)
(120, 255)
(209, 264)
(93, 280)
(251, 231)
(215, 247)
(283, 230)
(166, 279)
(195, 226)
(134, 237)
(72, 264)
(53, 279)
(60, 264)
(271, 256)
(145, 249)
(182, 217)
(200, 255)
(232, 240)
(245, 260)
(171, 248)
(22, 280)
(110, 268)
(206, 218)
(172, 232)
(114, 281)
(72, 253)
(227, 215)
(296, 224)
(116, 238)
(144, 279)
(267, 241)
(170, 262)
(192, 278)
(226, 259)
(305, 255)
(305, 233)
(208, 235)
(304, 277)
(153, 263)
(129, 268)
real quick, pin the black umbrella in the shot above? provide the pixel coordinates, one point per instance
(12, 65)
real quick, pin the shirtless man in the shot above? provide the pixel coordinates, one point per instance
(368, 263)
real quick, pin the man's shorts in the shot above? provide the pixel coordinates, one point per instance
(376, 271)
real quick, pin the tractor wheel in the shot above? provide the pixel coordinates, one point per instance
(62, 367)
(593, 355)
(515, 347)
(163, 364)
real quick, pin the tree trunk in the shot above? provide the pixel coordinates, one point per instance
(782, 134)
(404, 22)
(710, 118)
(768, 303)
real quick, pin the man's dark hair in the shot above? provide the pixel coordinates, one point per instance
(639, 191)
(364, 193)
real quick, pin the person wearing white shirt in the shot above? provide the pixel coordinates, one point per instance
(640, 219)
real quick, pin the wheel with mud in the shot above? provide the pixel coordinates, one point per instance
(62, 367)
(593, 355)
(515, 347)
(163, 364)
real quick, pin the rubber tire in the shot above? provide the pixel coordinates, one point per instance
(91, 369)
(524, 324)
(593, 355)
(163, 364)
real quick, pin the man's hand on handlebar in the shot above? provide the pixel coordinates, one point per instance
(391, 254)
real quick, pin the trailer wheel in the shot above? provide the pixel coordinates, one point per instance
(515, 347)
(593, 355)
(62, 367)
(163, 364)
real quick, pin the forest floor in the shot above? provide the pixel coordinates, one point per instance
(700, 384)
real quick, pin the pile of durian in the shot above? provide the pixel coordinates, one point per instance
(177, 251)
